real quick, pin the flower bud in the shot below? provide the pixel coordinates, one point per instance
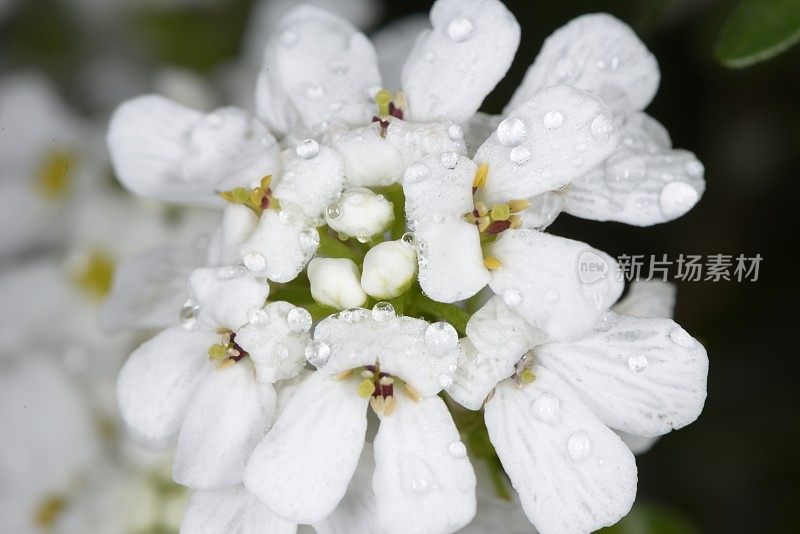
(389, 269)
(334, 282)
(360, 213)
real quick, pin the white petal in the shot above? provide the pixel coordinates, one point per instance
(228, 416)
(597, 53)
(499, 331)
(277, 350)
(572, 473)
(149, 289)
(637, 444)
(393, 43)
(356, 511)
(545, 143)
(456, 64)
(477, 374)
(416, 140)
(158, 380)
(369, 159)
(325, 67)
(226, 295)
(653, 298)
(558, 285)
(423, 481)
(165, 151)
(285, 241)
(232, 510)
(644, 182)
(645, 376)
(301, 469)
(309, 184)
(542, 211)
(238, 224)
(336, 282)
(439, 185)
(478, 128)
(450, 259)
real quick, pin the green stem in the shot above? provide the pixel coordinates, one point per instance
(497, 479)
(333, 247)
(394, 194)
(451, 313)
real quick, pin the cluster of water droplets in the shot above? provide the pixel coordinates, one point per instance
(189, 313)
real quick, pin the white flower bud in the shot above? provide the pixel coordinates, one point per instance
(389, 269)
(334, 282)
(360, 213)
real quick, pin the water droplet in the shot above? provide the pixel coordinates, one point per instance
(445, 380)
(417, 171)
(353, 315)
(546, 408)
(288, 39)
(309, 240)
(299, 319)
(511, 132)
(449, 159)
(416, 474)
(681, 337)
(316, 92)
(512, 297)
(189, 313)
(257, 317)
(606, 322)
(457, 449)
(551, 296)
(520, 155)
(553, 120)
(318, 353)
(677, 198)
(307, 149)
(694, 168)
(254, 261)
(455, 132)
(578, 446)
(614, 63)
(408, 239)
(362, 236)
(229, 271)
(601, 126)
(334, 210)
(383, 311)
(280, 351)
(459, 29)
(637, 363)
(441, 337)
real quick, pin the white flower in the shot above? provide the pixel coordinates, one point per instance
(644, 376)
(360, 213)
(335, 283)
(390, 268)
(422, 480)
(219, 411)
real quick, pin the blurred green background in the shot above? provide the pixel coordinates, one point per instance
(735, 469)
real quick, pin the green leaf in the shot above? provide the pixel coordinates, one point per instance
(757, 30)
(652, 518)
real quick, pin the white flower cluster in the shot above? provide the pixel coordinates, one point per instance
(381, 283)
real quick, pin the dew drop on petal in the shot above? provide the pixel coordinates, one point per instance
(353, 315)
(299, 319)
(417, 476)
(459, 29)
(417, 171)
(637, 363)
(677, 198)
(520, 155)
(362, 236)
(189, 313)
(334, 210)
(257, 317)
(309, 240)
(441, 337)
(455, 132)
(457, 449)
(601, 126)
(578, 446)
(281, 351)
(553, 120)
(228, 272)
(681, 337)
(449, 159)
(307, 149)
(546, 408)
(511, 132)
(408, 239)
(606, 322)
(512, 297)
(318, 353)
(383, 311)
(254, 261)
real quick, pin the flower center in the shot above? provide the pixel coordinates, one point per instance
(389, 105)
(49, 510)
(492, 220)
(53, 177)
(257, 199)
(93, 273)
(379, 387)
(523, 373)
(227, 352)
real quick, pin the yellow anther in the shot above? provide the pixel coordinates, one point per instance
(481, 208)
(470, 218)
(480, 176)
(483, 223)
(388, 405)
(54, 178)
(266, 181)
(518, 205)
(366, 388)
(411, 393)
(343, 375)
(225, 364)
(383, 98)
(252, 198)
(95, 274)
(516, 222)
(527, 376)
(399, 100)
(491, 263)
(500, 212)
(217, 351)
(48, 511)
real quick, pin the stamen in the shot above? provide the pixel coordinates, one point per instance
(257, 199)
(389, 404)
(527, 376)
(343, 375)
(217, 351)
(481, 208)
(500, 212)
(515, 221)
(497, 227)
(480, 177)
(492, 263)
(483, 223)
(518, 205)
(411, 393)
(366, 373)
(226, 363)
(383, 98)
(366, 388)
(377, 404)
